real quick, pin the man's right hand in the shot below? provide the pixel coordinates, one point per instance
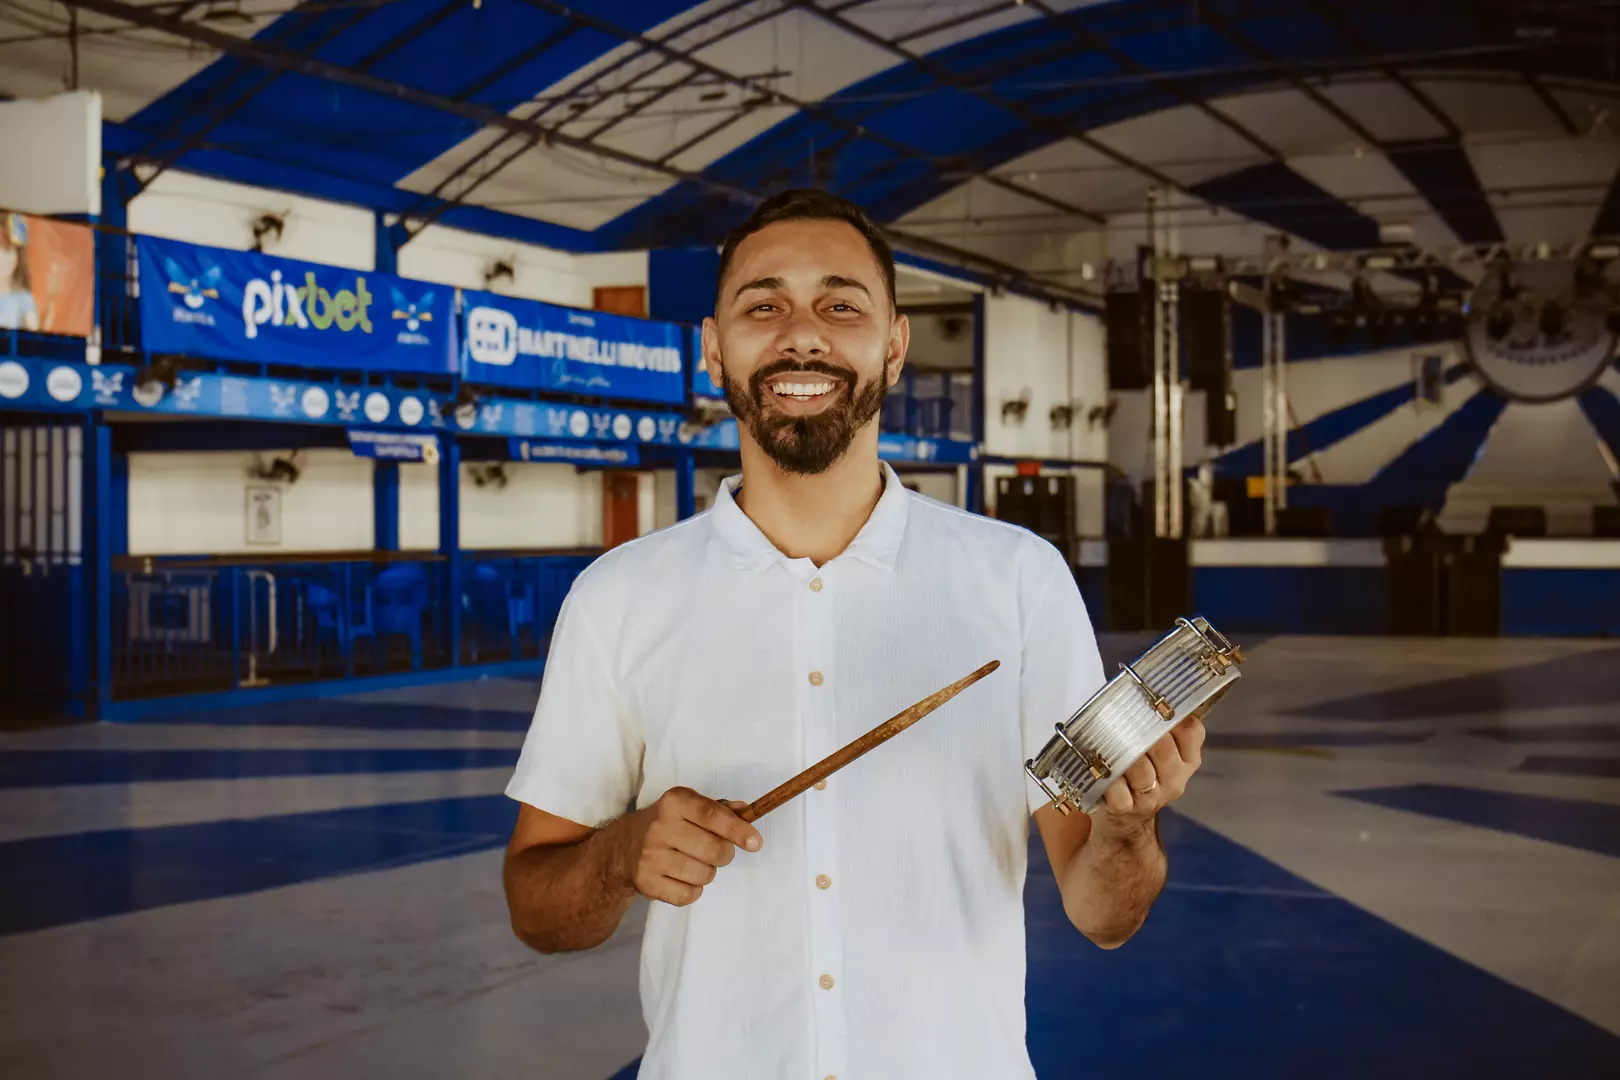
(673, 848)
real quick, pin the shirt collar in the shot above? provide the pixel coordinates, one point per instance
(878, 542)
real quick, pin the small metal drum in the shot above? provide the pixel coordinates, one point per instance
(1093, 748)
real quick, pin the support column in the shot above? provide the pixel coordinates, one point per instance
(450, 543)
(685, 485)
(386, 248)
(103, 507)
(385, 506)
(973, 493)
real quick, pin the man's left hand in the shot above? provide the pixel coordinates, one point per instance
(1156, 780)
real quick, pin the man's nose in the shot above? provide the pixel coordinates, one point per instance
(801, 336)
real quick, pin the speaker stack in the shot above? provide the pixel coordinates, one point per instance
(1206, 341)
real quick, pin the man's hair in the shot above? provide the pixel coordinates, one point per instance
(810, 204)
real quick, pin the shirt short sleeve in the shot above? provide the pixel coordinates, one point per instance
(1061, 666)
(582, 756)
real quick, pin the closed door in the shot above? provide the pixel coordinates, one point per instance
(621, 508)
(620, 299)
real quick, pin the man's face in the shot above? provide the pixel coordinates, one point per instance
(804, 342)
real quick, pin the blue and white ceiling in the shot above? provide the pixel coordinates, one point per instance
(1016, 138)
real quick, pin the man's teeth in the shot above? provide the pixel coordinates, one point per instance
(803, 389)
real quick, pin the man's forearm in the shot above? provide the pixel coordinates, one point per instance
(1112, 881)
(567, 897)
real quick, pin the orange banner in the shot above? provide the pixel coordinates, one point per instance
(47, 275)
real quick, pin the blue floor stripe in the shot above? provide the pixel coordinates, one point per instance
(1574, 823)
(1581, 679)
(341, 713)
(1244, 970)
(52, 881)
(1549, 733)
(57, 768)
(1571, 766)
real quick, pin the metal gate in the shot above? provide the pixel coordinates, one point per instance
(43, 636)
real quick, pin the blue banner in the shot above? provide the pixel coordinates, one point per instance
(909, 448)
(394, 445)
(244, 305)
(28, 383)
(535, 346)
(584, 454)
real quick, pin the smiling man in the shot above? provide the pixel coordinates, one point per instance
(873, 927)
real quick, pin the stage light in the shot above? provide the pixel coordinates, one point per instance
(1554, 321)
(1499, 321)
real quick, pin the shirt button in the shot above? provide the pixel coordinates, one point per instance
(815, 584)
(821, 785)
(826, 982)
(823, 881)
(815, 678)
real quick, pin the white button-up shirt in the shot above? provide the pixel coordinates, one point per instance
(879, 933)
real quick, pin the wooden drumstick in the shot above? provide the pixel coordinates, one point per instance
(839, 758)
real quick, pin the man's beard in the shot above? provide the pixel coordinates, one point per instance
(805, 445)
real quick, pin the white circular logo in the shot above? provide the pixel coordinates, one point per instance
(410, 411)
(1539, 336)
(376, 408)
(316, 402)
(64, 384)
(13, 380)
(647, 428)
(579, 424)
(148, 393)
(621, 426)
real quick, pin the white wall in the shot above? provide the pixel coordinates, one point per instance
(461, 259)
(196, 503)
(419, 507)
(200, 210)
(542, 505)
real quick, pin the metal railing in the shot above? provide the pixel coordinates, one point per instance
(195, 625)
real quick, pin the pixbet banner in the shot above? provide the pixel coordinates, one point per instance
(535, 346)
(245, 305)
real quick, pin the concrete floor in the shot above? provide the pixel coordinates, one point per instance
(1402, 858)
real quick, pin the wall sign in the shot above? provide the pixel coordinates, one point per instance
(263, 515)
(575, 453)
(47, 275)
(394, 445)
(524, 343)
(244, 305)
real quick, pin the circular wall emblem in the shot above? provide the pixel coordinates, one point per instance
(621, 426)
(579, 424)
(410, 411)
(377, 408)
(647, 428)
(316, 402)
(64, 384)
(13, 380)
(1545, 343)
(147, 393)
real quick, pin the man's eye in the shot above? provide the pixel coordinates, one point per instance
(836, 304)
(761, 307)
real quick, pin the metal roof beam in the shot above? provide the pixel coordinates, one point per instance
(1356, 40)
(285, 61)
(820, 112)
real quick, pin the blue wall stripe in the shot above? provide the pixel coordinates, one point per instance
(1574, 823)
(52, 881)
(1602, 411)
(1561, 603)
(1292, 599)
(1329, 428)
(1234, 943)
(59, 768)
(1278, 196)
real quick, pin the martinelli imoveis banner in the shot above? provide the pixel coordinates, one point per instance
(245, 305)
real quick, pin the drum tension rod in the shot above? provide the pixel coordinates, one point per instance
(1155, 699)
(1095, 764)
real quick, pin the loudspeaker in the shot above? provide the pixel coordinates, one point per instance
(1042, 504)
(1127, 316)
(1606, 521)
(1206, 340)
(1305, 521)
(1220, 417)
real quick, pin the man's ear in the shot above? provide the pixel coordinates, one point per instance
(711, 350)
(899, 342)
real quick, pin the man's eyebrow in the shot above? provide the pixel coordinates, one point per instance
(833, 281)
(766, 283)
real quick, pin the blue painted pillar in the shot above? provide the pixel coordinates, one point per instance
(450, 542)
(385, 506)
(100, 535)
(974, 496)
(387, 245)
(685, 485)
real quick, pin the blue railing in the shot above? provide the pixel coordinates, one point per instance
(192, 625)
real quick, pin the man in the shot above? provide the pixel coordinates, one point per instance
(871, 929)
